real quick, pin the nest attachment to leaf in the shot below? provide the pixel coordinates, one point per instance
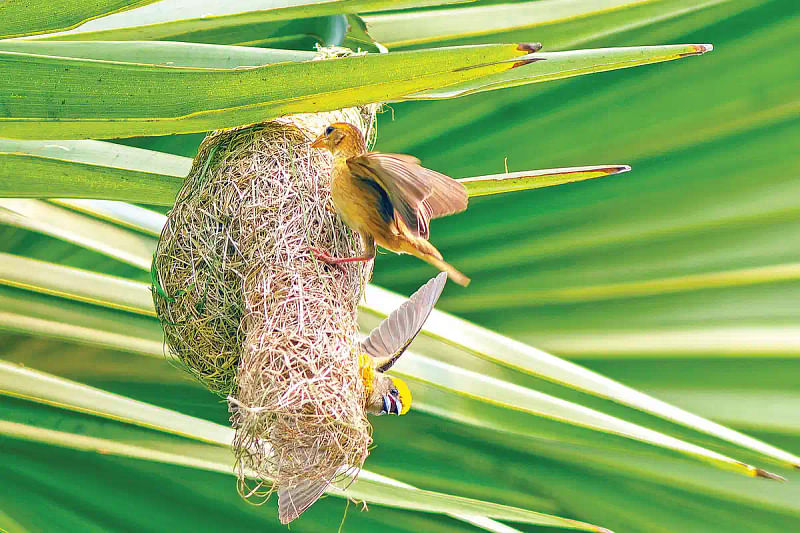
(251, 313)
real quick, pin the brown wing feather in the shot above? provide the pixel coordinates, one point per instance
(387, 342)
(293, 501)
(418, 194)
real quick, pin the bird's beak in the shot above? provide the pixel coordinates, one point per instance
(319, 142)
(392, 405)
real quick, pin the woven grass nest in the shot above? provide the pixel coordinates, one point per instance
(253, 315)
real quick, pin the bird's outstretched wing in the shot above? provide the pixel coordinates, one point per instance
(389, 340)
(418, 194)
(293, 501)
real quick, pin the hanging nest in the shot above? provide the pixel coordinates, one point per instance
(253, 315)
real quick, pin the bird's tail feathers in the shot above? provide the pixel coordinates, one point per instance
(444, 266)
(421, 246)
(428, 253)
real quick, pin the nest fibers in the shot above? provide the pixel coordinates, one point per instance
(252, 314)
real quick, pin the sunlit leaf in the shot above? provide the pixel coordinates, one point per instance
(42, 217)
(171, 18)
(40, 387)
(534, 179)
(131, 296)
(25, 17)
(557, 23)
(88, 169)
(165, 53)
(677, 279)
(96, 99)
(559, 65)
(99, 170)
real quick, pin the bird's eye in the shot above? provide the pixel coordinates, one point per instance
(394, 392)
(329, 130)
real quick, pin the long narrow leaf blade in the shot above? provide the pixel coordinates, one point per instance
(41, 316)
(123, 294)
(89, 169)
(474, 386)
(32, 385)
(535, 179)
(76, 284)
(165, 53)
(35, 215)
(509, 353)
(558, 23)
(560, 65)
(96, 99)
(170, 18)
(120, 213)
(47, 177)
(29, 17)
(41, 387)
(368, 487)
(101, 170)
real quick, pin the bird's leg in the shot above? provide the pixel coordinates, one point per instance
(325, 258)
(369, 253)
(368, 243)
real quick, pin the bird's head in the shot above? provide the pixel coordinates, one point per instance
(389, 396)
(341, 138)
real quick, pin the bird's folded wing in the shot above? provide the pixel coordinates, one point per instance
(294, 500)
(418, 194)
(387, 342)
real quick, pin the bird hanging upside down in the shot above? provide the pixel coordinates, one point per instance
(388, 199)
(387, 342)
(383, 394)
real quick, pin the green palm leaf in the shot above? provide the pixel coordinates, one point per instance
(26, 384)
(124, 295)
(25, 18)
(559, 23)
(668, 295)
(99, 170)
(112, 99)
(109, 98)
(171, 19)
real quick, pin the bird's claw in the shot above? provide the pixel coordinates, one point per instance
(326, 258)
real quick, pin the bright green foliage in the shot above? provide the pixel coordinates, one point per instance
(186, 20)
(105, 171)
(112, 99)
(203, 87)
(24, 17)
(676, 282)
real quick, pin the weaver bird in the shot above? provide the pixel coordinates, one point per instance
(383, 394)
(388, 199)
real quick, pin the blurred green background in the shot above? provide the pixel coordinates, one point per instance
(680, 278)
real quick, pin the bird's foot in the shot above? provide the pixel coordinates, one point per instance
(336, 261)
(323, 256)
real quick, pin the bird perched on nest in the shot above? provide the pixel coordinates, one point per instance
(384, 394)
(389, 199)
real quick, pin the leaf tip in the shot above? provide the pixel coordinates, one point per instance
(760, 472)
(698, 49)
(619, 169)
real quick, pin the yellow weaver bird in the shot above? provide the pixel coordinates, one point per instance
(389, 199)
(383, 394)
